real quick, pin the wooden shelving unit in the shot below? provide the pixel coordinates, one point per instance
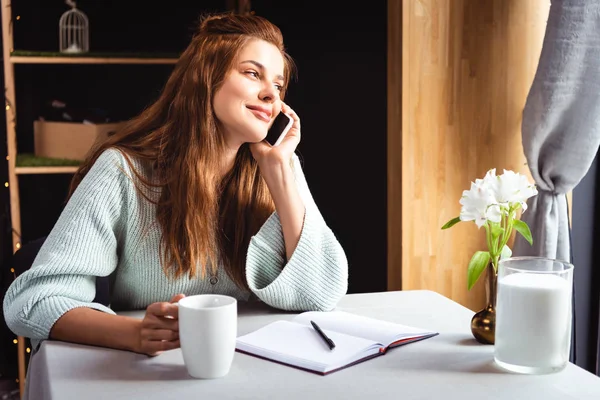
(40, 57)
(89, 60)
(45, 170)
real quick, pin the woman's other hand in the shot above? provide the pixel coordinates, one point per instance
(159, 330)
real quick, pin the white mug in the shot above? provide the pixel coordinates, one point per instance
(207, 333)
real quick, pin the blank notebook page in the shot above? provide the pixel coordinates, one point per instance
(303, 343)
(357, 325)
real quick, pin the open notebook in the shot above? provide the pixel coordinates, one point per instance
(357, 338)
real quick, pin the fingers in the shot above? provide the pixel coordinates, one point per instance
(160, 334)
(177, 297)
(163, 309)
(288, 110)
(154, 322)
(295, 131)
(159, 329)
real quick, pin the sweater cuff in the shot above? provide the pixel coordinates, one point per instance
(266, 254)
(311, 280)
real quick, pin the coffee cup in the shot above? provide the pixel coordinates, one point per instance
(207, 333)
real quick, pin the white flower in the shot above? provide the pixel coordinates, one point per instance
(479, 204)
(510, 188)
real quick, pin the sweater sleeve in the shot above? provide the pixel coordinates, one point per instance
(316, 275)
(81, 246)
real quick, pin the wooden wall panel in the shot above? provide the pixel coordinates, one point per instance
(394, 144)
(466, 69)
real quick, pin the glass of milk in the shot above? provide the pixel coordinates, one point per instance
(533, 315)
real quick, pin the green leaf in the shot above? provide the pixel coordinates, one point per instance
(506, 252)
(523, 229)
(478, 262)
(451, 223)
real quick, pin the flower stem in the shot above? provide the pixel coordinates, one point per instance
(488, 237)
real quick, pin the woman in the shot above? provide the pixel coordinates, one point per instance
(187, 199)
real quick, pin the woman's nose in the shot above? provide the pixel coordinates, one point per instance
(268, 93)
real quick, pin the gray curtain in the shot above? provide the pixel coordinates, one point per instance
(561, 122)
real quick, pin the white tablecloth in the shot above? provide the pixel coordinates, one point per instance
(448, 366)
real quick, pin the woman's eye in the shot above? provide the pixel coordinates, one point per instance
(252, 73)
(279, 88)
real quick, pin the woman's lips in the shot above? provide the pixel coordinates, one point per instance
(260, 113)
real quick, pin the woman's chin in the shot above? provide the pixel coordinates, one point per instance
(257, 138)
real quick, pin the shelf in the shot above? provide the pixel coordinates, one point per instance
(41, 57)
(45, 170)
(29, 164)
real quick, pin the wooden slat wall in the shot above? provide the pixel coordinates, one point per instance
(466, 68)
(394, 144)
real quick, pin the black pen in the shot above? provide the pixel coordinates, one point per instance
(323, 336)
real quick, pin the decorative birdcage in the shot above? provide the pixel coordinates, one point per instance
(74, 30)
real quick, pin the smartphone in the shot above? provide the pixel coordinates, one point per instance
(279, 129)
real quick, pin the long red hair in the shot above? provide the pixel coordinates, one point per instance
(204, 217)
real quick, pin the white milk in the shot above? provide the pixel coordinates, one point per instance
(533, 320)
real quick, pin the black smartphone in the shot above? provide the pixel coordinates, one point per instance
(280, 128)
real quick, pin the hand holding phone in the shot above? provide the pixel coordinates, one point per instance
(281, 126)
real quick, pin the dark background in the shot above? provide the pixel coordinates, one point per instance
(585, 237)
(340, 95)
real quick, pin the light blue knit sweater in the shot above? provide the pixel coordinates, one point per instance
(108, 228)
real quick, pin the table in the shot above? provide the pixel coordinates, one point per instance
(448, 366)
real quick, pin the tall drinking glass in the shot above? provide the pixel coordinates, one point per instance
(533, 314)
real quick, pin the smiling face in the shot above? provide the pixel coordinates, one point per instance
(249, 99)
